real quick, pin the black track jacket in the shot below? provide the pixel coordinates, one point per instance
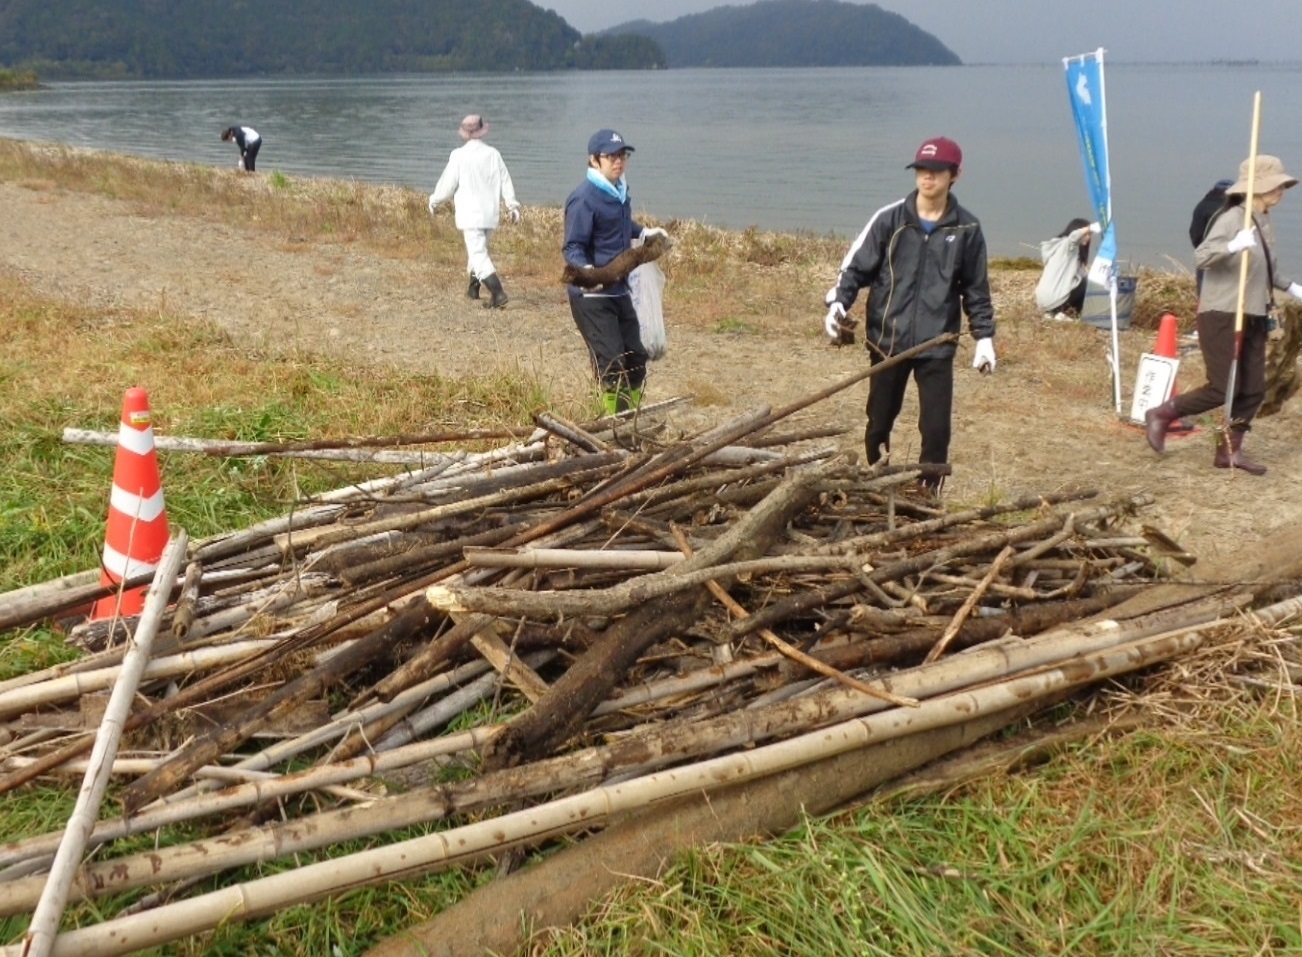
(917, 282)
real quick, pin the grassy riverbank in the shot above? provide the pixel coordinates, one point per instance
(1184, 838)
(14, 80)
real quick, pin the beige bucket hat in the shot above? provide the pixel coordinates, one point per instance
(1270, 174)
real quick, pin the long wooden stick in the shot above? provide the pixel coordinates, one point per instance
(590, 808)
(227, 449)
(966, 609)
(65, 688)
(1245, 260)
(39, 941)
(647, 749)
(785, 648)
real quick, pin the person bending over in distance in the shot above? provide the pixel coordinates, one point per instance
(248, 140)
(923, 260)
(478, 182)
(1220, 256)
(1060, 293)
(599, 225)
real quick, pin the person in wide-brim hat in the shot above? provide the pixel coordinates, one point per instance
(1269, 176)
(1228, 294)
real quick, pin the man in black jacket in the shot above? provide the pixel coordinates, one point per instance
(923, 261)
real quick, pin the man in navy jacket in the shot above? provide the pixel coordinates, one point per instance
(599, 225)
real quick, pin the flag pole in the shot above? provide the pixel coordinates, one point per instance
(1244, 260)
(1112, 286)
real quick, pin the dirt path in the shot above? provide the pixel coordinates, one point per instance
(1029, 428)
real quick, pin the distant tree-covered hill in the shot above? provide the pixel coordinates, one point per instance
(793, 33)
(211, 38)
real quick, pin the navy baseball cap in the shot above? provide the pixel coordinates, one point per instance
(605, 142)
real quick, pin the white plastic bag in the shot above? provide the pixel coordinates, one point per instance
(647, 284)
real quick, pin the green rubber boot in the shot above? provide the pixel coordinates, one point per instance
(610, 402)
(633, 398)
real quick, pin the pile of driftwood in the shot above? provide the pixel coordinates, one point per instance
(524, 643)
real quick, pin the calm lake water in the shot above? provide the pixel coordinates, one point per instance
(808, 149)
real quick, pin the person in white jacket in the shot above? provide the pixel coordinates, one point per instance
(1060, 293)
(477, 181)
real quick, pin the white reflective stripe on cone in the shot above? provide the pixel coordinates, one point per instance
(140, 509)
(140, 441)
(122, 567)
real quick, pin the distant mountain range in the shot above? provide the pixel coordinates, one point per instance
(217, 38)
(793, 33)
(211, 38)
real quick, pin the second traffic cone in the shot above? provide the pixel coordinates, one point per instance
(137, 520)
(1167, 337)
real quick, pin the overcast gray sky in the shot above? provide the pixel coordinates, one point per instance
(1039, 31)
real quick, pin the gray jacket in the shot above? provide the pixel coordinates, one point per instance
(1220, 292)
(1063, 270)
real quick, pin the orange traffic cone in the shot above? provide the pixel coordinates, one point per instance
(1167, 332)
(137, 521)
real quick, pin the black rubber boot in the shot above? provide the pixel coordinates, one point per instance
(1156, 421)
(494, 286)
(1231, 454)
(472, 291)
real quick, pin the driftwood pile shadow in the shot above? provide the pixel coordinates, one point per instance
(509, 646)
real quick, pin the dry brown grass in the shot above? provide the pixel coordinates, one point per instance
(717, 274)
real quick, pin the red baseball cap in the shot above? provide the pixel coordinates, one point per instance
(936, 154)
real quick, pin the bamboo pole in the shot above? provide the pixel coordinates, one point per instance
(216, 447)
(1245, 259)
(21, 604)
(72, 686)
(645, 750)
(421, 855)
(179, 810)
(319, 538)
(39, 940)
(618, 559)
(228, 449)
(209, 747)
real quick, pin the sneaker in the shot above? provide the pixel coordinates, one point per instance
(1058, 317)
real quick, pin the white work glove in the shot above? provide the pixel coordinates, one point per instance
(836, 323)
(650, 231)
(1295, 290)
(1243, 239)
(1096, 228)
(984, 359)
(514, 213)
(431, 204)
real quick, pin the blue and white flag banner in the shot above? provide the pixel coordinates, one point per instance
(1086, 92)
